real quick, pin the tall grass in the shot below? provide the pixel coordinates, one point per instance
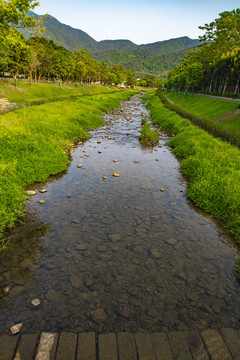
(35, 141)
(211, 165)
(148, 136)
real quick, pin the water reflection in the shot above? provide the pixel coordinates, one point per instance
(118, 253)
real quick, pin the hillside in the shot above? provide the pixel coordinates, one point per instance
(155, 58)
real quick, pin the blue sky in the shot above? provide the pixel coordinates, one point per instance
(141, 21)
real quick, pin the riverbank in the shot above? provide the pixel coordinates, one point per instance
(210, 164)
(35, 143)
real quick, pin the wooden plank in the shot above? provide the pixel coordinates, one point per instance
(27, 347)
(179, 346)
(215, 345)
(196, 345)
(108, 347)
(232, 339)
(67, 346)
(161, 346)
(86, 346)
(7, 346)
(126, 346)
(144, 346)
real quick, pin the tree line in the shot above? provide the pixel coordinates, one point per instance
(215, 65)
(41, 59)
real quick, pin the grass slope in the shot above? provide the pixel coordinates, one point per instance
(23, 93)
(211, 165)
(209, 108)
(35, 142)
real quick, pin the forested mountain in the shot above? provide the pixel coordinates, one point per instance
(154, 58)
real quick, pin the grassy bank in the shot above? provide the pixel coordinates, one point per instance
(23, 93)
(35, 141)
(209, 108)
(216, 128)
(211, 165)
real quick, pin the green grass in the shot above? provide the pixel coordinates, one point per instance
(211, 165)
(35, 142)
(202, 106)
(23, 93)
(231, 123)
(148, 137)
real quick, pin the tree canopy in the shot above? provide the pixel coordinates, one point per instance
(215, 65)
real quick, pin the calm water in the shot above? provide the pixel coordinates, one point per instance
(117, 253)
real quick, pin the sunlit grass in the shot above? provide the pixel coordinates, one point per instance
(209, 108)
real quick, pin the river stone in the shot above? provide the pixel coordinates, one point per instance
(99, 142)
(31, 192)
(114, 237)
(116, 175)
(102, 248)
(6, 290)
(99, 316)
(16, 328)
(100, 152)
(53, 296)
(43, 191)
(87, 280)
(104, 257)
(155, 253)
(82, 246)
(104, 177)
(75, 281)
(35, 302)
(124, 311)
(42, 202)
(152, 312)
(17, 290)
(138, 249)
(172, 241)
(79, 166)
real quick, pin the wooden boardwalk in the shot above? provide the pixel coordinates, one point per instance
(223, 344)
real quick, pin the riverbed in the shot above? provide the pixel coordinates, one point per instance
(109, 253)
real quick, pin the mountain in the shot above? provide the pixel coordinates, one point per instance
(155, 58)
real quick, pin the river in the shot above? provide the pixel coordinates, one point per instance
(126, 253)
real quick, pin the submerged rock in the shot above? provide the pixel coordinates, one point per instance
(124, 311)
(43, 191)
(75, 281)
(42, 202)
(99, 316)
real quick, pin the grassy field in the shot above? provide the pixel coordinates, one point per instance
(35, 142)
(211, 165)
(23, 93)
(209, 108)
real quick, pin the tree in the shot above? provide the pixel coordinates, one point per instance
(13, 15)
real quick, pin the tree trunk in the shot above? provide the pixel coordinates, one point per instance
(237, 86)
(225, 85)
(30, 77)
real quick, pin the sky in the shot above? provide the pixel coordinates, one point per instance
(141, 21)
